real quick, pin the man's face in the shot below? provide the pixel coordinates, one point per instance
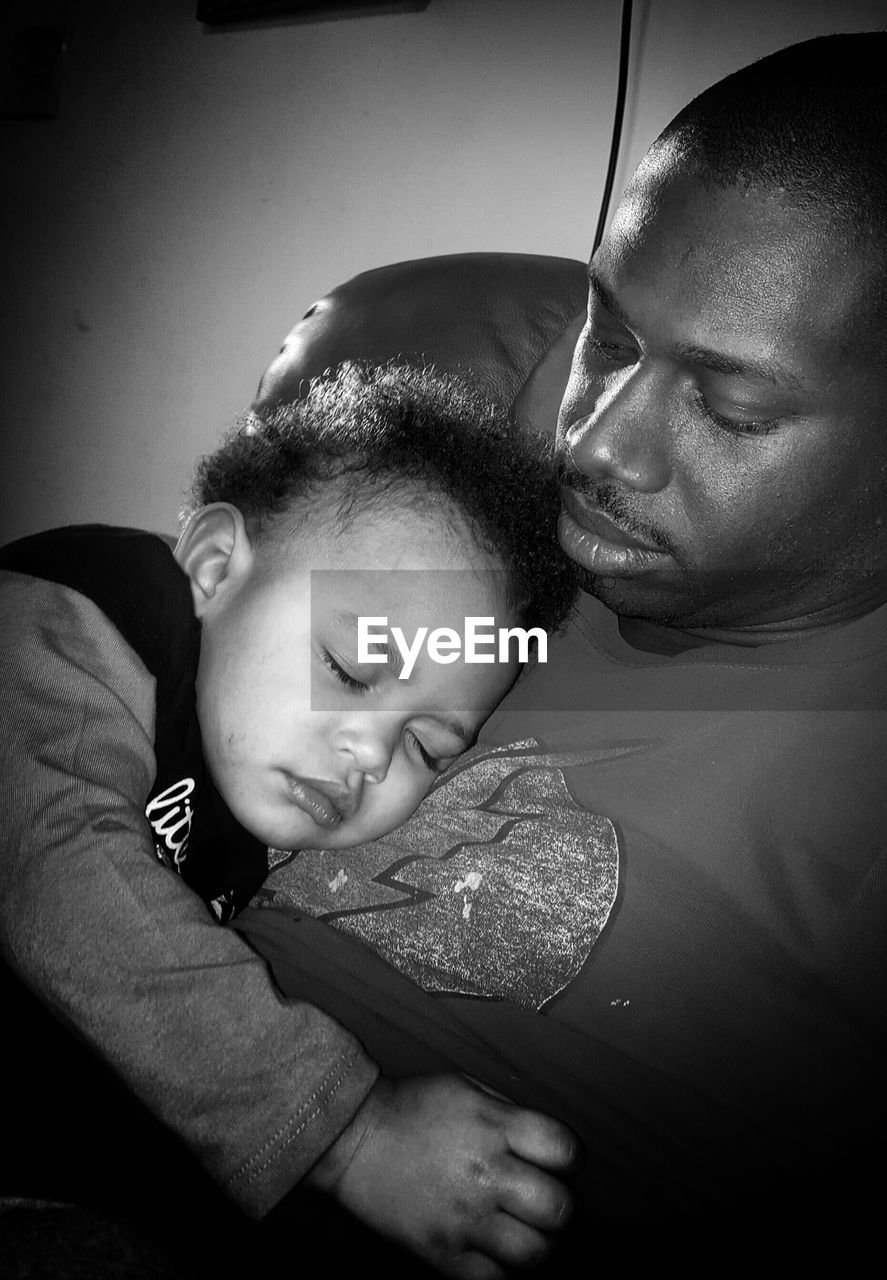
(723, 430)
(310, 747)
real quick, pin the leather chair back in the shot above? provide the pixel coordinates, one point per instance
(492, 316)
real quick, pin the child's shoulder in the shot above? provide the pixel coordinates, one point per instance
(48, 629)
(75, 698)
(86, 555)
(96, 603)
(130, 576)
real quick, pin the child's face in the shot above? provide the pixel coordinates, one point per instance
(357, 762)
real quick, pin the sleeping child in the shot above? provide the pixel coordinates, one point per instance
(296, 674)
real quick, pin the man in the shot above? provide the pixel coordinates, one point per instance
(711, 734)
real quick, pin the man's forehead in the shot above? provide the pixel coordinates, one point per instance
(732, 257)
(759, 366)
(669, 205)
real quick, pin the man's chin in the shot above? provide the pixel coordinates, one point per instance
(636, 597)
(666, 601)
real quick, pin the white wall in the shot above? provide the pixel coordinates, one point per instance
(197, 191)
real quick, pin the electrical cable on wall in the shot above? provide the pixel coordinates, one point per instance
(624, 48)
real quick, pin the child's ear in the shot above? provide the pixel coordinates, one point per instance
(215, 551)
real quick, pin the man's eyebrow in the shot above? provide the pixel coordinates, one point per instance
(730, 366)
(768, 370)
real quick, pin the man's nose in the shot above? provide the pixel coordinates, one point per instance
(619, 432)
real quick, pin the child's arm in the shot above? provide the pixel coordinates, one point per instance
(119, 948)
(115, 944)
(464, 1177)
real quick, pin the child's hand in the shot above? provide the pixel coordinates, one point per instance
(453, 1173)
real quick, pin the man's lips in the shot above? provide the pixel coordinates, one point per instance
(596, 542)
(321, 800)
(595, 521)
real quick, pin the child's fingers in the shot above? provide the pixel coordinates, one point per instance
(543, 1141)
(472, 1265)
(513, 1243)
(502, 1246)
(535, 1198)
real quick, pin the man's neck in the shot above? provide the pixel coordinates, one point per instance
(654, 637)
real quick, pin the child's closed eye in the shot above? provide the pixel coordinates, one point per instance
(434, 763)
(343, 676)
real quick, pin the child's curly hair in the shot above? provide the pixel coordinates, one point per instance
(427, 440)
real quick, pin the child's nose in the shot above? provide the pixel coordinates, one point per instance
(371, 746)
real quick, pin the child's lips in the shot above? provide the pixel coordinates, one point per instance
(313, 797)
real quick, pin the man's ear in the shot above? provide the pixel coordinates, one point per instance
(216, 553)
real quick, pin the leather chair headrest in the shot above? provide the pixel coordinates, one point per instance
(488, 315)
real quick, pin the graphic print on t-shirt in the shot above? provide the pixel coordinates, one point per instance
(170, 814)
(498, 887)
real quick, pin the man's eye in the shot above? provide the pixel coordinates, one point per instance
(612, 351)
(341, 674)
(739, 426)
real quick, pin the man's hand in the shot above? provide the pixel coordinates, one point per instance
(458, 1176)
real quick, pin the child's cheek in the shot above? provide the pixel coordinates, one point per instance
(389, 804)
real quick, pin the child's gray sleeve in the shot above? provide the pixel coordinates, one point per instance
(116, 944)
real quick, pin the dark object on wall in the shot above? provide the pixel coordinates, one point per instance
(218, 13)
(32, 73)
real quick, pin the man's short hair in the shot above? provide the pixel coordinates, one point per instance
(809, 123)
(373, 435)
